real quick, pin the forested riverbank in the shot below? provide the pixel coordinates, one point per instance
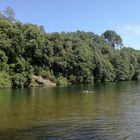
(64, 58)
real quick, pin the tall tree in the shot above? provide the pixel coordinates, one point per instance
(113, 38)
(10, 13)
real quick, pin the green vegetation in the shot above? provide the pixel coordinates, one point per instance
(5, 80)
(72, 57)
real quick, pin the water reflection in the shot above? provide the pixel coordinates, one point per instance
(111, 111)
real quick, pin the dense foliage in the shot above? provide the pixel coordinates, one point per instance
(72, 57)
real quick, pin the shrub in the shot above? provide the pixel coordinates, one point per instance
(21, 80)
(5, 80)
(62, 81)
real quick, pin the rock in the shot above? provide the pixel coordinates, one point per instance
(39, 80)
(87, 91)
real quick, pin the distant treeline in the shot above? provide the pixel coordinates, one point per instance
(65, 58)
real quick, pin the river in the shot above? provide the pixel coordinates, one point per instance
(108, 111)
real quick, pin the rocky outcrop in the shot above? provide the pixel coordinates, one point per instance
(40, 81)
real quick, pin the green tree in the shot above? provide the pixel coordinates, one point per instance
(113, 38)
(9, 13)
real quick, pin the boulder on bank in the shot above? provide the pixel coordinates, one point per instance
(40, 81)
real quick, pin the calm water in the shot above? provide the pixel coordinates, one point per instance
(108, 112)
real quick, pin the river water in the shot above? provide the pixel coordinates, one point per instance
(86, 112)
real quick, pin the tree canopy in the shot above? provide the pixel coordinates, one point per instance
(66, 57)
(112, 38)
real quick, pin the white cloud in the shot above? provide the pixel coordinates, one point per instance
(130, 35)
(132, 30)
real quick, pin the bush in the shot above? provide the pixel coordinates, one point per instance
(47, 74)
(21, 80)
(18, 81)
(5, 80)
(62, 81)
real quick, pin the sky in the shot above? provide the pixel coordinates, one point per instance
(122, 16)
